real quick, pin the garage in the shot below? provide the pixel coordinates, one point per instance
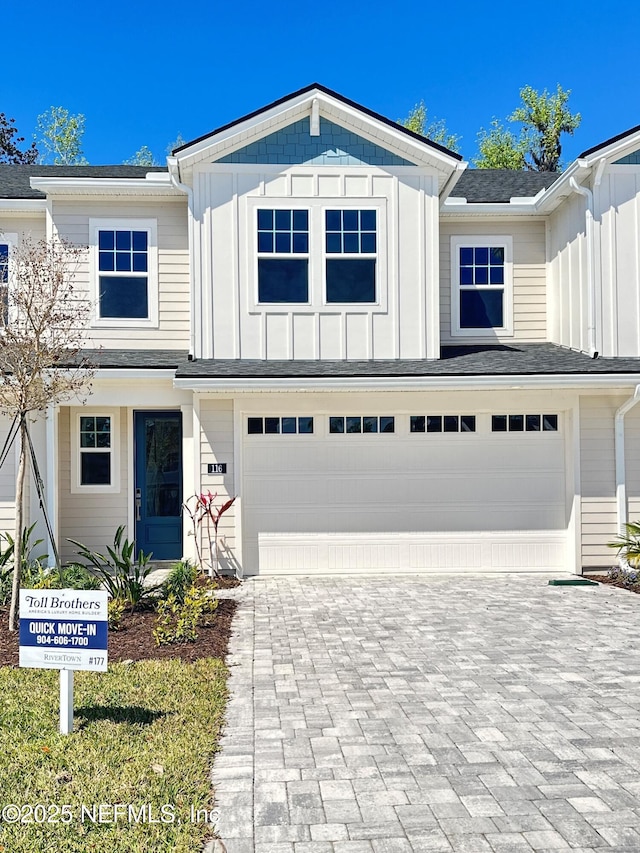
(357, 492)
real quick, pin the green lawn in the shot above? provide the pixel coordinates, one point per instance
(144, 734)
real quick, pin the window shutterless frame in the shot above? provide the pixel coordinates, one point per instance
(95, 435)
(7, 243)
(481, 283)
(126, 250)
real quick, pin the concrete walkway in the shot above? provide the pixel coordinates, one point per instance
(407, 715)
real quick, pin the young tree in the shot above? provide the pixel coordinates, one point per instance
(435, 130)
(9, 150)
(42, 332)
(60, 137)
(142, 157)
(546, 117)
(500, 149)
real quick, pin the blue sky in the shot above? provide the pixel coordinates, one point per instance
(142, 73)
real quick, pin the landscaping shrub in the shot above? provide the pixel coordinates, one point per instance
(178, 622)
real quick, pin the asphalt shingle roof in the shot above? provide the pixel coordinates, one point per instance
(158, 359)
(500, 185)
(526, 359)
(14, 178)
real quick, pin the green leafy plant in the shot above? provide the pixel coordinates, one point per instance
(115, 612)
(32, 565)
(627, 544)
(178, 622)
(70, 576)
(121, 573)
(180, 579)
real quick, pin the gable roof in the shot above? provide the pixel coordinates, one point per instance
(618, 138)
(319, 87)
(15, 177)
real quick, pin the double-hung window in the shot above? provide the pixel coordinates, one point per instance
(125, 271)
(350, 247)
(94, 458)
(283, 255)
(482, 286)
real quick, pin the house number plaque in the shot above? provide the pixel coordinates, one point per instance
(217, 468)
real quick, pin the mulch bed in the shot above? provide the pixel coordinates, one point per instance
(134, 639)
(612, 582)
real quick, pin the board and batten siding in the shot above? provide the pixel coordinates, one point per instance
(71, 219)
(90, 518)
(568, 306)
(598, 482)
(618, 204)
(216, 445)
(529, 277)
(234, 325)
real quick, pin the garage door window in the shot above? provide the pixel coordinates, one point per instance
(358, 424)
(279, 426)
(524, 423)
(443, 423)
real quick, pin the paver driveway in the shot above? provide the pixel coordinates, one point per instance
(408, 714)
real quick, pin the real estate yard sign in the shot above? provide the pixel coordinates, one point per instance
(64, 629)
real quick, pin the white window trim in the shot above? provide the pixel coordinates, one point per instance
(76, 486)
(317, 206)
(9, 239)
(118, 224)
(461, 241)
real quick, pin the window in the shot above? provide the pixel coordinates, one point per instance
(125, 271)
(481, 286)
(6, 242)
(442, 423)
(279, 426)
(350, 245)
(283, 255)
(355, 423)
(524, 423)
(94, 465)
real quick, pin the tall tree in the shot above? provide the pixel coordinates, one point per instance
(546, 116)
(435, 130)
(9, 143)
(60, 136)
(41, 333)
(142, 157)
(500, 149)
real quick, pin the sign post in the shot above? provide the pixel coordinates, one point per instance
(64, 629)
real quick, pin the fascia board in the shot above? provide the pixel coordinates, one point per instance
(131, 373)
(454, 206)
(558, 191)
(23, 205)
(406, 383)
(271, 120)
(105, 186)
(615, 150)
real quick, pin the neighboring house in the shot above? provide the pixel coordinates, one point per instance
(395, 363)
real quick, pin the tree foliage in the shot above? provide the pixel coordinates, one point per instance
(500, 149)
(543, 118)
(142, 157)
(435, 130)
(60, 137)
(41, 334)
(178, 142)
(9, 143)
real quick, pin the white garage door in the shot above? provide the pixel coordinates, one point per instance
(408, 501)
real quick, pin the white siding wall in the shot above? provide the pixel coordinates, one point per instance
(71, 218)
(618, 202)
(568, 307)
(233, 326)
(216, 445)
(7, 484)
(31, 226)
(90, 518)
(529, 277)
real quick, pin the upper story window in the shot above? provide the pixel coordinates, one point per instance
(6, 242)
(125, 272)
(482, 286)
(283, 255)
(350, 245)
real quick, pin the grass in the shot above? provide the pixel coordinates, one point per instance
(144, 734)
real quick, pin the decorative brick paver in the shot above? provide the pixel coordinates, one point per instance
(451, 715)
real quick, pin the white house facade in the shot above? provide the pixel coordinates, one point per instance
(394, 362)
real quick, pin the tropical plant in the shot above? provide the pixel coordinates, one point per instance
(627, 544)
(182, 576)
(204, 516)
(121, 572)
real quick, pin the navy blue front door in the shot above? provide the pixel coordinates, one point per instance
(158, 484)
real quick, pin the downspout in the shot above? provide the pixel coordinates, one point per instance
(621, 476)
(591, 289)
(174, 174)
